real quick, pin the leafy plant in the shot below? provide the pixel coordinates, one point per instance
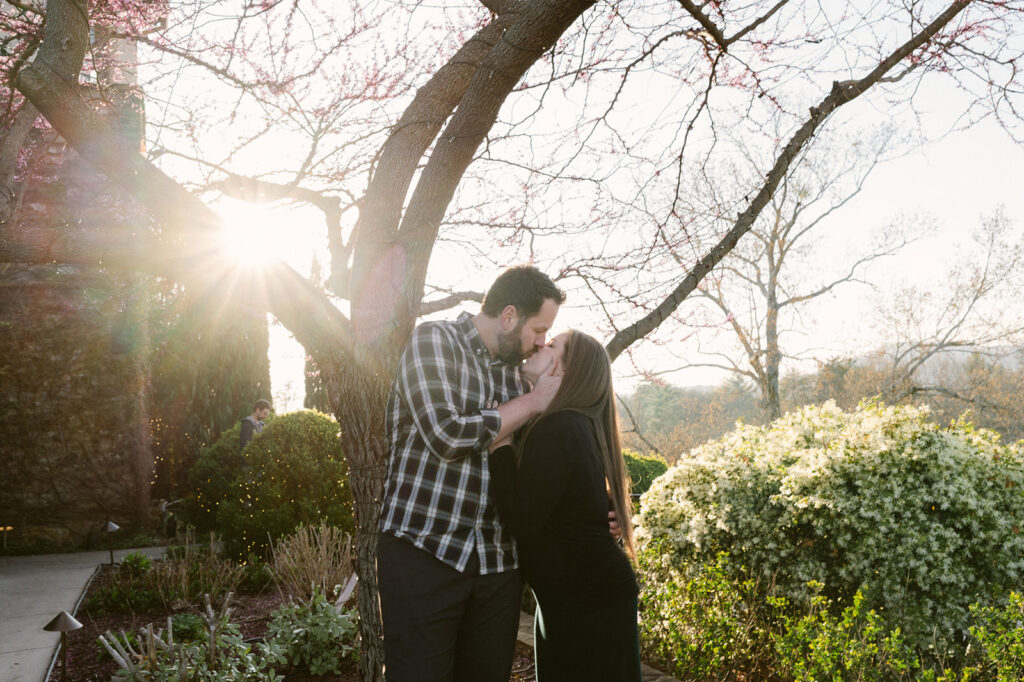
(313, 558)
(220, 654)
(187, 627)
(123, 593)
(314, 634)
(707, 626)
(135, 565)
(256, 575)
(217, 465)
(855, 645)
(1000, 631)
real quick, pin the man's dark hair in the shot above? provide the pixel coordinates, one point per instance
(260, 404)
(523, 286)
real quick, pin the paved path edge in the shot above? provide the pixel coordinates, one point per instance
(74, 612)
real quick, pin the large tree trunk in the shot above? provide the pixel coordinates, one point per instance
(358, 399)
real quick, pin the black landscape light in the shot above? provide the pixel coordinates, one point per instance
(63, 623)
(6, 529)
(111, 527)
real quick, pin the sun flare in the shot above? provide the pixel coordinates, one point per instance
(251, 234)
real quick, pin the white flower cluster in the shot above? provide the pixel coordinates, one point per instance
(925, 520)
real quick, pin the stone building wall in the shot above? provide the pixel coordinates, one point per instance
(74, 427)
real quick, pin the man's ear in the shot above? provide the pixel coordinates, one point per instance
(509, 317)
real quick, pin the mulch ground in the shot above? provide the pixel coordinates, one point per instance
(89, 662)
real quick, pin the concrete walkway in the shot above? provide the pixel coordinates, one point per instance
(34, 589)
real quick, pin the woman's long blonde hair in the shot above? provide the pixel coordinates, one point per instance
(587, 388)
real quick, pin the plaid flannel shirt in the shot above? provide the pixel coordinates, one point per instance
(439, 425)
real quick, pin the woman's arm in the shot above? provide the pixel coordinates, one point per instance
(527, 496)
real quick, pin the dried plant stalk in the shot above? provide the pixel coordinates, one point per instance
(313, 558)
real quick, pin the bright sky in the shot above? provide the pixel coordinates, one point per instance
(957, 180)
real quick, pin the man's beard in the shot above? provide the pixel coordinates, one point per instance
(510, 346)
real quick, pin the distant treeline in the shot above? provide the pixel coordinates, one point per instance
(985, 390)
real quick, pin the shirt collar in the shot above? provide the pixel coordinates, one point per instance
(464, 324)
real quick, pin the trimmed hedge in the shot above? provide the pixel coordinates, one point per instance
(643, 469)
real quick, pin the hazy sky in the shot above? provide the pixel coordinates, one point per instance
(957, 180)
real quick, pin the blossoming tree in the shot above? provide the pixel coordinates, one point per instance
(517, 121)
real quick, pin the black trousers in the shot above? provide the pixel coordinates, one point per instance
(441, 625)
(573, 644)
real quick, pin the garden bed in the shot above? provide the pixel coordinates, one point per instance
(88, 662)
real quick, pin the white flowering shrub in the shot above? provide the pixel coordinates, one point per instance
(923, 520)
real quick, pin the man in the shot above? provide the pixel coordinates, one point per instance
(448, 579)
(253, 424)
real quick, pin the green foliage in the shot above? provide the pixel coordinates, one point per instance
(210, 479)
(188, 627)
(855, 645)
(256, 575)
(643, 469)
(124, 594)
(135, 564)
(1000, 631)
(209, 364)
(184, 576)
(294, 473)
(708, 626)
(314, 635)
(712, 624)
(821, 494)
(219, 655)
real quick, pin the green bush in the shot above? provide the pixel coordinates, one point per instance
(314, 635)
(643, 469)
(713, 625)
(923, 521)
(856, 644)
(1000, 631)
(123, 596)
(188, 627)
(135, 564)
(295, 473)
(217, 465)
(709, 626)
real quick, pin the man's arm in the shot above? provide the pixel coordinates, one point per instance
(430, 386)
(518, 411)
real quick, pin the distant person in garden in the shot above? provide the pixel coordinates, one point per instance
(448, 580)
(553, 490)
(253, 424)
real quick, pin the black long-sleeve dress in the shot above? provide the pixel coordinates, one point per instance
(556, 505)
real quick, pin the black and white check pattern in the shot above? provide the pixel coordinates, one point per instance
(439, 425)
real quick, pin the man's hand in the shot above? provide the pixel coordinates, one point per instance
(518, 411)
(546, 387)
(613, 526)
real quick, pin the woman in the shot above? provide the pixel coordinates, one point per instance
(554, 491)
